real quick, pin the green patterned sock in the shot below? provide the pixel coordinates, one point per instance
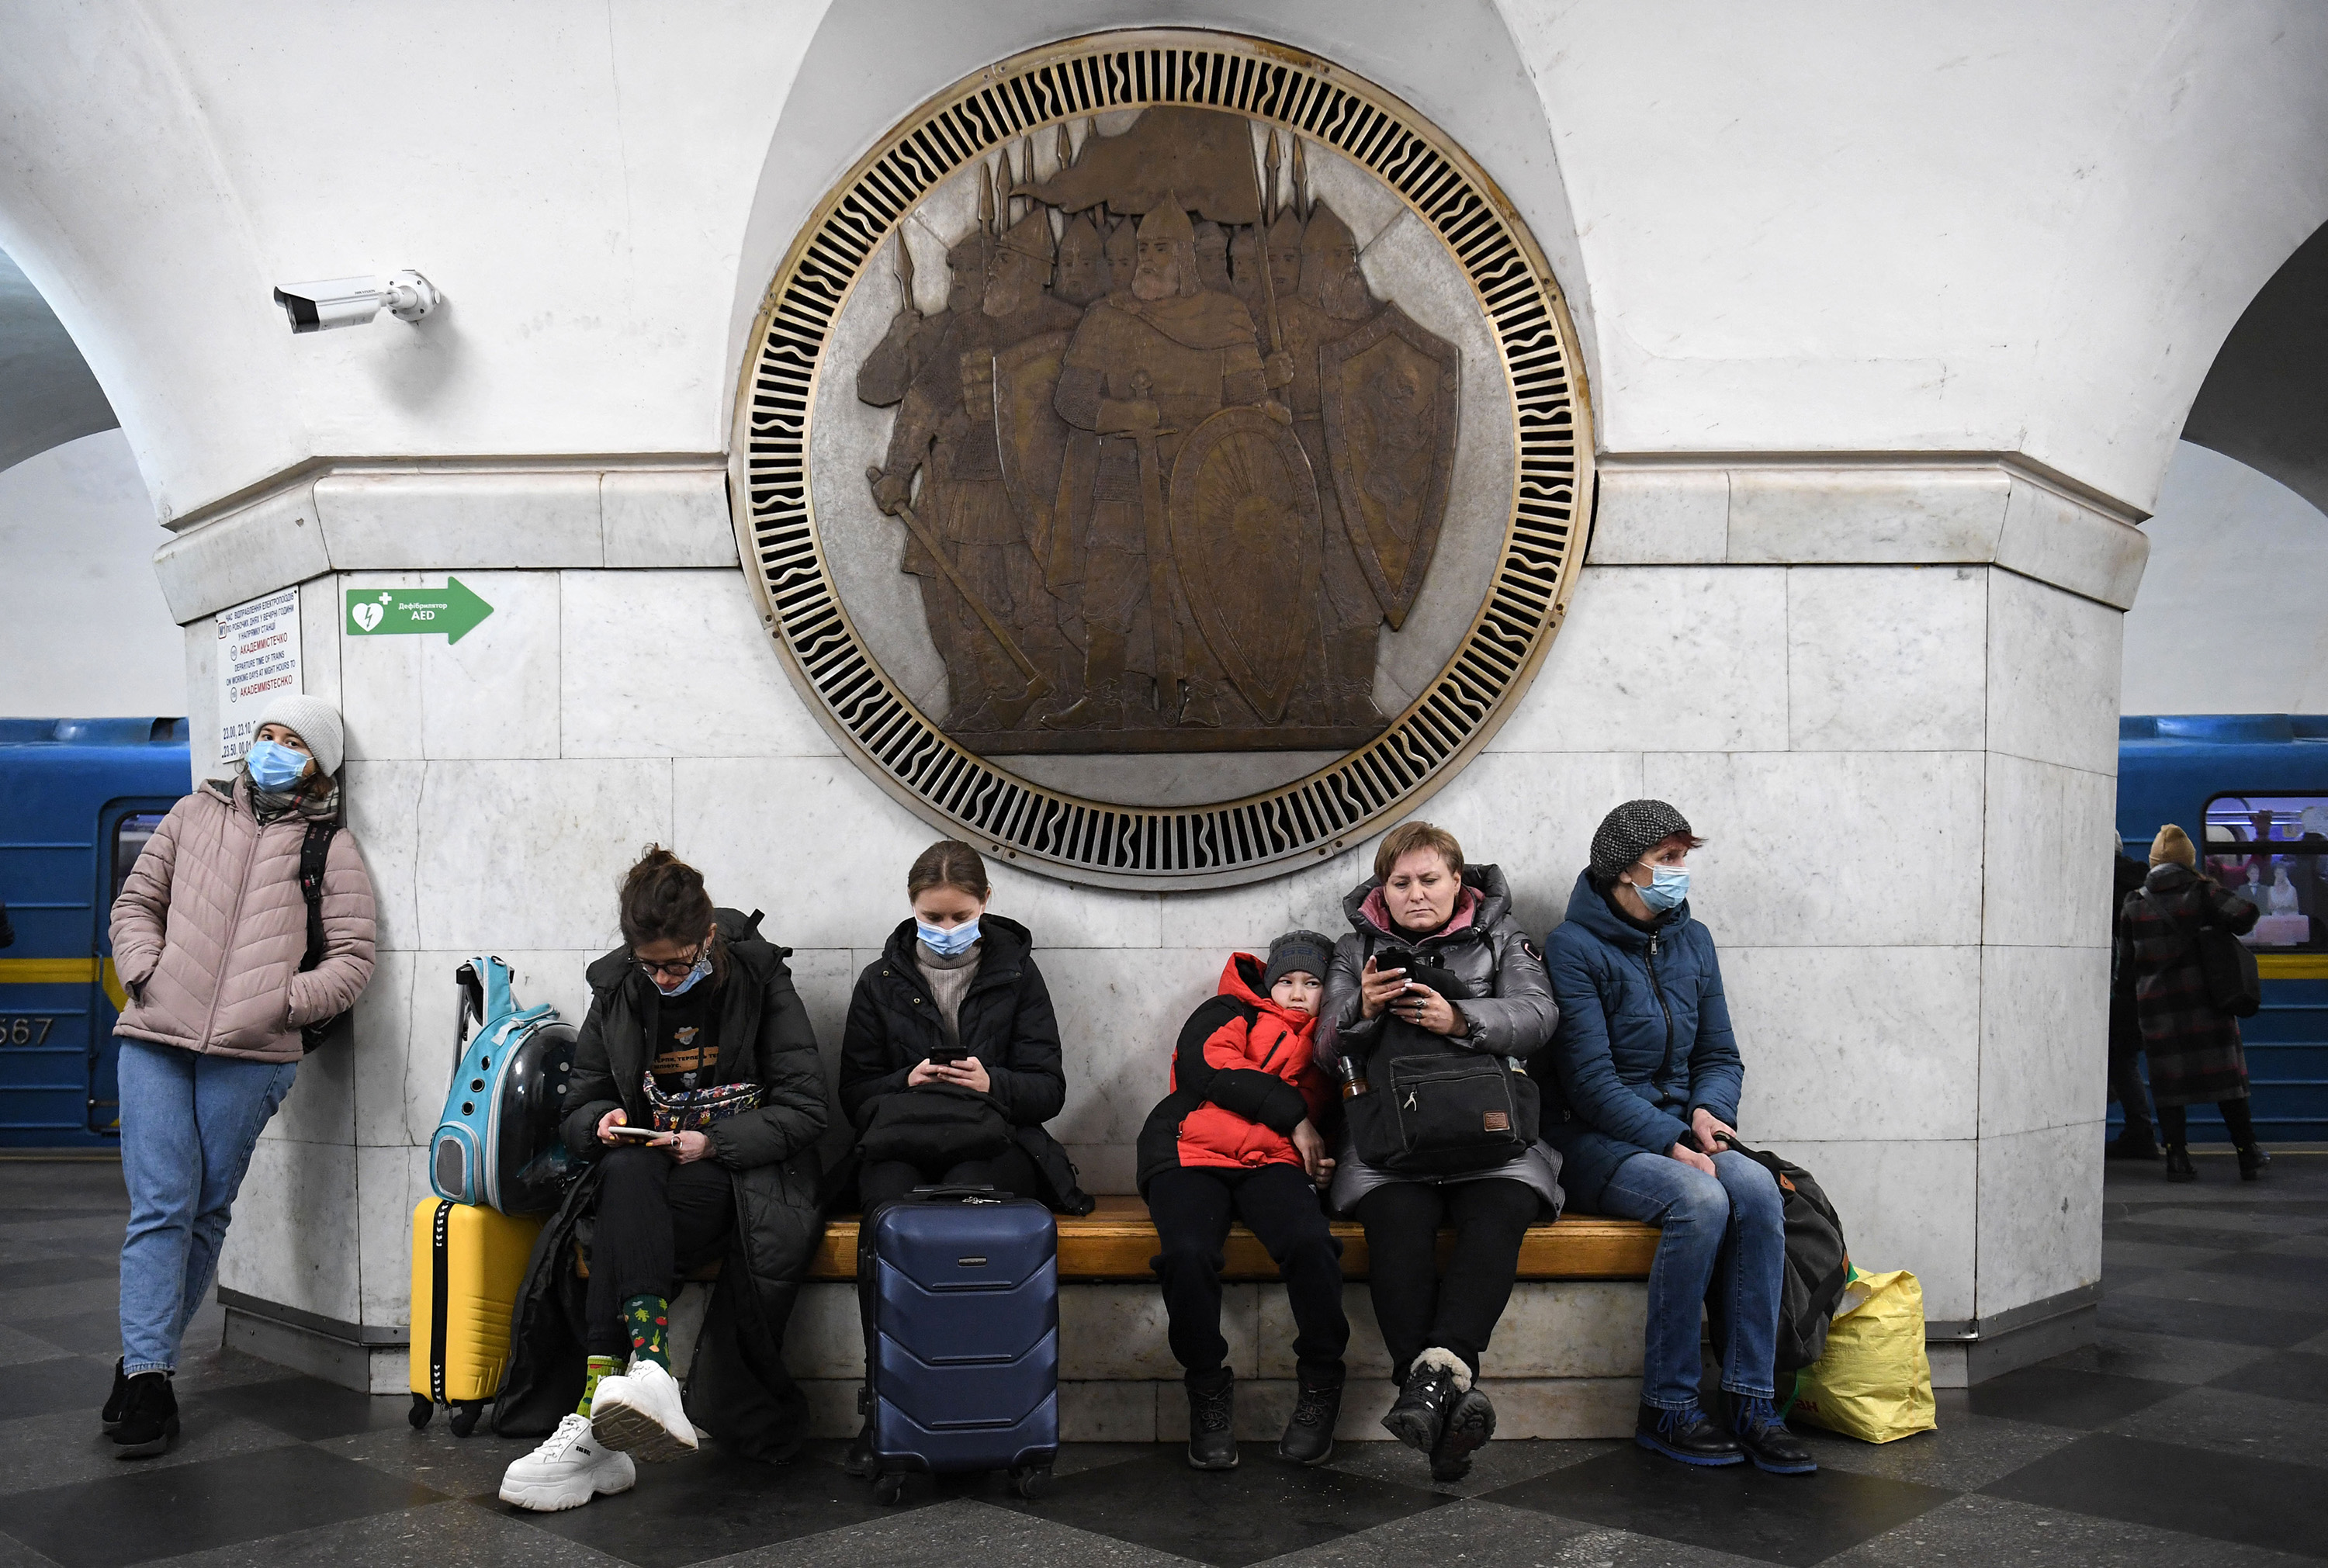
(648, 1318)
(598, 1367)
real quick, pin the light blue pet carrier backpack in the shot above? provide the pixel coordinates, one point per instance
(499, 1144)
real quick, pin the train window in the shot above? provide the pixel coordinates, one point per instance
(129, 836)
(2272, 851)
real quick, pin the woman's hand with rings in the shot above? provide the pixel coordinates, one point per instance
(1426, 1009)
(686, 1148)
(1377, 987)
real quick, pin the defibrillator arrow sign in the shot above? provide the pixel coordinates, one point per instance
(452, 609)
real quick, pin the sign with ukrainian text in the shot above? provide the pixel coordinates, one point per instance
(257, 659)
(453, 610)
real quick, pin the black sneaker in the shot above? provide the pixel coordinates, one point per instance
(118, 1400)
(1212, 1421)
(1429, 1392)
(149, 1418)
(1767, 1440)
(1685, 1435)
(1309, 1437)
(1470, 1422)
(2178, 1164)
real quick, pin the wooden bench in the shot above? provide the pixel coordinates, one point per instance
(1115, 1241)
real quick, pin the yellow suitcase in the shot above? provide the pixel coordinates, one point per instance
(468, 1265)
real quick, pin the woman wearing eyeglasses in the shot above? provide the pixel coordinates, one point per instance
(697, 1090)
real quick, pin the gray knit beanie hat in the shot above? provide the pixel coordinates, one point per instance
(1309, 951)
(313, 720)
(1629, 832)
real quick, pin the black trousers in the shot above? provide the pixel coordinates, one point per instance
(2124, 1079)
(1192, 1206)
(1010, 1173)
(1417, 1309)
(657, 1219)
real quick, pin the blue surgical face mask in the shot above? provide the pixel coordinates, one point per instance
(694, 976)
(1669, 884)
(947, 943)
(275, 768)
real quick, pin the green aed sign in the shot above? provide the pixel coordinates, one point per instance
(452, 609)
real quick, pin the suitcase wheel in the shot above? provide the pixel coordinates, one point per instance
(888, 1486)
(423, 1407)
(1032, 1482)
(465, 1416)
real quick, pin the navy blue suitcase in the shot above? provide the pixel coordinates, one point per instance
(965, 1368)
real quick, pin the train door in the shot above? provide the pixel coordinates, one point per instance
(123, 828)
(2272, 850)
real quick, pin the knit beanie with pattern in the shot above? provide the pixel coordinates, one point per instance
(1629, 832)
(1309, 951)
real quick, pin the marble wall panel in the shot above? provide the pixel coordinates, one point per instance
(319, 639)
(241, 556)
(826, 1336)
(674, 664)
(676, 518)
(383, 812)
(1905, 1204)
(1109, 1411)
(1119, 1015)
(1306, 897)
(291, 1242)
(1856, 1042)
(2056, 539)
(494, 693)
(1803, 515)
(1117, 1331)
(528, 854)
(201, 699)
(2048, 855)
(460, 522)
(1832, 848)
(1532, 813)
(1661, 517)
(2041, 1215)
(1550, 1329)
(1659, 654)
(389, 1183)
(2044, 1037)
(321, 1107)
(381, 698)
(1885, 658)
(2053, 666)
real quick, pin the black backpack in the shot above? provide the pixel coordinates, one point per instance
(1434, 1109)
(314, 850)
(1818, 1264)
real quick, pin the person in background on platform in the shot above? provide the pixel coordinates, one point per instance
(2136, 1142)
(954, 1002)
(2195, 1054)
(1237, 1138)
(1643, 1088)
(1424, 900)
(697, 1091)
(210, 941)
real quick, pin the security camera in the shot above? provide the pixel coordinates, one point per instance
(353, 301)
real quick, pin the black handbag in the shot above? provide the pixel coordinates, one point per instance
(935, 1125)
(1432, 1109)
(1818, 1263)
(2234, 984)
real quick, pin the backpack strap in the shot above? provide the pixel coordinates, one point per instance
(314, 851)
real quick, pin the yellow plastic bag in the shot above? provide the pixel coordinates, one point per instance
(1873, 1382)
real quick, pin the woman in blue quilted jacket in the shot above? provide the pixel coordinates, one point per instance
(1644, 1083)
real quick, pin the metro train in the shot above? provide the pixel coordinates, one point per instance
(2256, 784)
(78, 798)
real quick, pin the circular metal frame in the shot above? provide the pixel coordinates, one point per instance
(1277, 831)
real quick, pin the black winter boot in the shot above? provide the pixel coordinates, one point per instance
(2254, 1161)
(1432, 1381)
(149, 1418)
(1309, 1437)
(1470, 1422)
(1212, 1419)
(2127, 1146)
(1767, 1440)
(2178, 1164)
(1685, 1435)
(118, 1401)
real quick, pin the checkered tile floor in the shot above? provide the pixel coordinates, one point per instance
(2195, 1432)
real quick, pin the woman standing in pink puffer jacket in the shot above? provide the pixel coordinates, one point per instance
(210, 937)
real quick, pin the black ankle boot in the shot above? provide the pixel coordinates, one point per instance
(1419, 1416)
(2178, 1164)
(149, 1418)
(1309, 1437)
(1685, 1435)
(1767, 1440)
(2254, 1161)
(1212, 1421)
(118, 1401)
(1470, 1422)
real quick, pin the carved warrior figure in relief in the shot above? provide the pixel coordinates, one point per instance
(1156, 499)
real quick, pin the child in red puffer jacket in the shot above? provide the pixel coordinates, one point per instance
(1238, 1137)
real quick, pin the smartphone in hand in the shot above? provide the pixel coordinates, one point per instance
(635, 1134)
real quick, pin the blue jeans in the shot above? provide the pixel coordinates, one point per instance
(189, 1122)
(1729, 1234)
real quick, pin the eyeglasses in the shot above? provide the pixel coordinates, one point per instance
(677, 968)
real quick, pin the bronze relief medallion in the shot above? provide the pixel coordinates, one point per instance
(1163, 460)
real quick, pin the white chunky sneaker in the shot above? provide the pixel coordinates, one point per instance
(640, 1412)
(567, 1471)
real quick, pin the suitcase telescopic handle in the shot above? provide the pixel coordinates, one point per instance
(955, 1189)
(468, 992)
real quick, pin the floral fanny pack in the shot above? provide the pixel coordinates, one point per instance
(692, 1109)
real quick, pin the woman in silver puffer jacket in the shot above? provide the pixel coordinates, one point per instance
(209, 938)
